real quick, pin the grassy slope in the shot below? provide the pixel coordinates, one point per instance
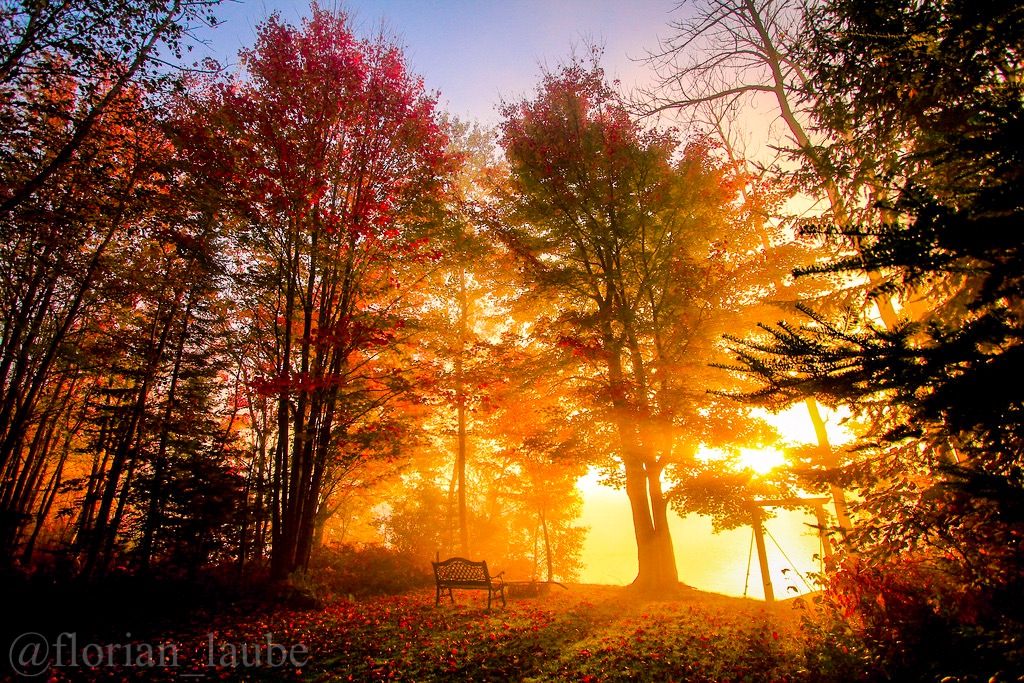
(586, 633)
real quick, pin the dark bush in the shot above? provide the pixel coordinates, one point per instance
(905, 620)
(344, 570)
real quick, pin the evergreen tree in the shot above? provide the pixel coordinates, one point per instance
(944, 480)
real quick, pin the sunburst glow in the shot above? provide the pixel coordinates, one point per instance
(762, 460)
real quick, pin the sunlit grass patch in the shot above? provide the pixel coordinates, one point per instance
(587, 633)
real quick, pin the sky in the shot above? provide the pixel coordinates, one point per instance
(476, 52)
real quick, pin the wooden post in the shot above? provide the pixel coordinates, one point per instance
(826, 542)
(756, 507)
(828, 461)
(762, 554)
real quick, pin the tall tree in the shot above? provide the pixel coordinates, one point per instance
(640, 252)
(67, 243)
(80, 164)
(465, 314)
(944, 479)
(331, 156)
(103, 49)
(737, 53)
(747, 55)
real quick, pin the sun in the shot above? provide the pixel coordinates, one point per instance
(762, 460)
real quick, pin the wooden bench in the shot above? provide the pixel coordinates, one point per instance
(458, 572)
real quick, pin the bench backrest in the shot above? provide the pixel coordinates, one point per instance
(458, 570)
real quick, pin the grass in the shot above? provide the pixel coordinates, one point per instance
(587, 633)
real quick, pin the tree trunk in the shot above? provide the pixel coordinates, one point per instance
(460, 400)
(282, 543)
(668, 571)
(105, 528)
(828, 460)
(155, 506)
(547, 545)
(49, 494)
(656, 563)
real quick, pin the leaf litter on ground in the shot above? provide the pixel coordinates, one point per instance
(588, 633)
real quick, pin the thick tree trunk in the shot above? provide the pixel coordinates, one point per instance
(667, 570)
(656, 570)
(656, 563)
(312, 508)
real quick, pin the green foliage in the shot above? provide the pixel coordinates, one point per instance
(829, 360)
(721, 490)
(942, 379)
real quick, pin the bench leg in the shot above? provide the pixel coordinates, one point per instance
(437, 601)
(492, 591)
